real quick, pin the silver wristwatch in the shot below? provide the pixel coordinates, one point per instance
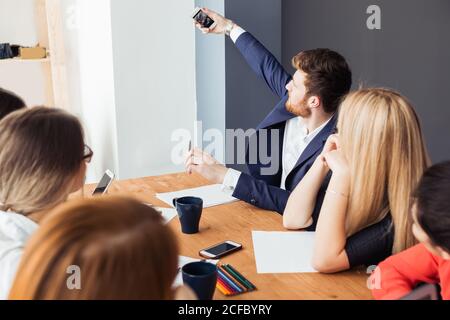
(229, 27)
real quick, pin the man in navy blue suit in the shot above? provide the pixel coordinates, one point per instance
(303, 120)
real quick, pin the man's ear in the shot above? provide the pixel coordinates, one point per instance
(314, 102)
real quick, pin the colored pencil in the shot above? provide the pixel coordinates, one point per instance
(241, 277)
(237, 278)
(226, 284)
(222, 289)
(230, 291)
(233, 278)
(228, 281)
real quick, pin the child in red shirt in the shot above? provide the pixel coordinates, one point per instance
(428, 262)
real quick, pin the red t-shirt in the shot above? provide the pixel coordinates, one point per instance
(400, 274)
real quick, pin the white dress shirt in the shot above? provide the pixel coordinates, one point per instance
(235, 33)
(15, 229)
(296, 139)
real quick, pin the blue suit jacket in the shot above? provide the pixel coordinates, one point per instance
(261, 190)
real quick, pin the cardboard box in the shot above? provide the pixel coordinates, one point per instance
(33, 53)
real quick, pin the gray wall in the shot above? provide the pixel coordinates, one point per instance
(210, 74)
(248, 99)
(229, 95)
(411, 53)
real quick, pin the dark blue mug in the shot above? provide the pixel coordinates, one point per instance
(201, 277)
(189, 211)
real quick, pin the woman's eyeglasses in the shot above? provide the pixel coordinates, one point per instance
(87, 153)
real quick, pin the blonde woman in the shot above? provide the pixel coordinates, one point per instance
(122, 248)
(42, 160)
(375, 161)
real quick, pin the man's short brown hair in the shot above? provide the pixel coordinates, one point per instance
(328, 76)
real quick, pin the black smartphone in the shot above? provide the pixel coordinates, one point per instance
(203, 19)
(105, 182)
(220, 250)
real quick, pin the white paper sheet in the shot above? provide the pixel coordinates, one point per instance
(167, 213)
(182, 260)
(212, 195)
(283, 252)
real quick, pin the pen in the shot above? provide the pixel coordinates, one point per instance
(189, 151)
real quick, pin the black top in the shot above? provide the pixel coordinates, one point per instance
(371, 245)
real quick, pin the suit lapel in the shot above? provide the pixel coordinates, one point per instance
(255, 169)
(317, 143)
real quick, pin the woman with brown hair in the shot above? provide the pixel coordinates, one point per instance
(120, 248)
(42, 160)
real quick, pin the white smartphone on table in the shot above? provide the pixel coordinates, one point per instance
(220, 250)
(103, 186)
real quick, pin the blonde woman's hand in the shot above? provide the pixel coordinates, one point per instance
(337, 163)
(331, 144)
(221, 22)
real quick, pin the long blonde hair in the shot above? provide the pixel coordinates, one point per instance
(41, 153)
(382, 140)
(122, 248)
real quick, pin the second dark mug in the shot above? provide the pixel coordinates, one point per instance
(189, 211)
(200, 277)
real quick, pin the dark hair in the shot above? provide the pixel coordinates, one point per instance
(328, 76)
(9, 102)
(433, 204)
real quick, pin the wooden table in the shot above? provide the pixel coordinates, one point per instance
(235, 222)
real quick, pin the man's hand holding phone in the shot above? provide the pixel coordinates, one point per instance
(220, 26)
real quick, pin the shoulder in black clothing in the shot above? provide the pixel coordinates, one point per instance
(371, 245)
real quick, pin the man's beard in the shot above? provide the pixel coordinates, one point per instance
(300, 110)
